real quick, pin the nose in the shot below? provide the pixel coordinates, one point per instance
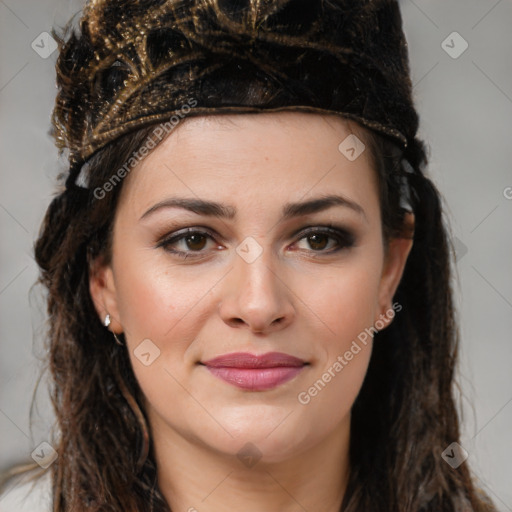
(255, 296)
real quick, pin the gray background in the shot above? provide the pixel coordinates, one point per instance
(465, 106)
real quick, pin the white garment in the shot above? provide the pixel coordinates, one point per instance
(27, 496)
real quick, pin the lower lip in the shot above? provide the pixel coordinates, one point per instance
(256, 379)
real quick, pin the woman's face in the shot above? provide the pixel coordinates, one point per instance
(270, 266)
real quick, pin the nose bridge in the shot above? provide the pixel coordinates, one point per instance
(254, 267)
(257, 295)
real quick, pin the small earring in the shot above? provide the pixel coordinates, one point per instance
(117, 339)
(106, 323)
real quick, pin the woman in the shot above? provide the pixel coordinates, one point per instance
(248, 271)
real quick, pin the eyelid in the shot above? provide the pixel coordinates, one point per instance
(180, 233)
(331, 228)
(344, 236)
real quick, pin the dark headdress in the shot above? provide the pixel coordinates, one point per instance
(136, 63)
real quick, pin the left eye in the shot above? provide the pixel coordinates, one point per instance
(195, 241)
(317, 240)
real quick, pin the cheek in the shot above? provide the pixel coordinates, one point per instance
(348, 307)
(155, 297)
(167, 304)
(159, 302)
(345, 298)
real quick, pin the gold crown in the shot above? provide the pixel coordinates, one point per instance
(133, 63)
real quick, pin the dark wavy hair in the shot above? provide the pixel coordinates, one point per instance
(403, 418)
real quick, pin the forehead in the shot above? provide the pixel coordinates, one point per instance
(267, 155)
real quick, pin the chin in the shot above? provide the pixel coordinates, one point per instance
(269, 433)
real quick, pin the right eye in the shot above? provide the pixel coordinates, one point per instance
(192, 240)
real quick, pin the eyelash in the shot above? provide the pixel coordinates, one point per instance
(344, 238)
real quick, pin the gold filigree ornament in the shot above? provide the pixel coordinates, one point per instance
(134, 63)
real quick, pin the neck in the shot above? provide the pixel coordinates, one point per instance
(195, 478)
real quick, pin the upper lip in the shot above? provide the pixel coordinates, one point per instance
(246, 360)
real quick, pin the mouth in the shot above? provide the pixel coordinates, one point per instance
(255, 373)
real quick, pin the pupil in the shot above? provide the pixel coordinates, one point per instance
(315, 237)
(194, 237)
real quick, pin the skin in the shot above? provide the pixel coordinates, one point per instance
(297, 297)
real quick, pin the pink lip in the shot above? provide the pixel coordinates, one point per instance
(255, 373)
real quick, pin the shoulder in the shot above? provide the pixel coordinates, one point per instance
(24, 495)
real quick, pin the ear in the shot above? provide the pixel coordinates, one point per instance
(103, 293)
(394, 265)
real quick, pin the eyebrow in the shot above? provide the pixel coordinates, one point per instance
(290, 210)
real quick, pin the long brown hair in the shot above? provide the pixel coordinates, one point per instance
(403, 418)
